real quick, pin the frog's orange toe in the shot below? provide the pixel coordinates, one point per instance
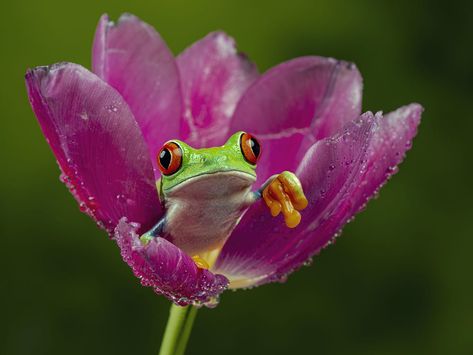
(273, 205)
(200, 263)
(293, 219)
(284, 194)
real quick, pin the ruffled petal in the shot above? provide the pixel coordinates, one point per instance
(167, 269)
(132, 57)
(296, 103)
(97, 143)
(213, 77)
(338, 174)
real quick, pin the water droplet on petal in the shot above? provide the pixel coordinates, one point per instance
(121, 198)
(308, 262)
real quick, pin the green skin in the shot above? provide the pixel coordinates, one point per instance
(196, 162)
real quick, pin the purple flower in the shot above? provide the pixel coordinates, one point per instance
(106, 126)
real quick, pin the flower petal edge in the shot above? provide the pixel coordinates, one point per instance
(94, 137)
(133, 58)
(251, 258)
(167, 269)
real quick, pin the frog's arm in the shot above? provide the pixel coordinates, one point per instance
(254, 196)
(283, 193)
(155, 231)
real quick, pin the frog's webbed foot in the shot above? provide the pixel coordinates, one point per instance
(200, 262)
(284, 194)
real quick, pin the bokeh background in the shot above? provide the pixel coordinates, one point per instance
(399, 280)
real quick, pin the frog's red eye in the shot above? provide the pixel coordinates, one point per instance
(250, 148)
(170, 158)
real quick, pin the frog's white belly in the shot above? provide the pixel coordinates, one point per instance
(201, 215)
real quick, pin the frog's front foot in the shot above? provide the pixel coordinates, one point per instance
(146, 238)
(284, 194)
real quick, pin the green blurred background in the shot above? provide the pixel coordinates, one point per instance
(399, 280)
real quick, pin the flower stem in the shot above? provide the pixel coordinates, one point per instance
(178, 330)
(186, 332)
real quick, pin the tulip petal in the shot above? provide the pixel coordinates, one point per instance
(167, 269)
(339, 174)
(97, 143)
(213, 77)
(296, 103)
(132, 57)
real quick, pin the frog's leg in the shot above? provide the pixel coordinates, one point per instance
(153, 232)
(283, 193)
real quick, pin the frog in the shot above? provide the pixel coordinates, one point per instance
(206, 191)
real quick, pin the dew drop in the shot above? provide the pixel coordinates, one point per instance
(121, 198)
(111, 108)
(392, 170)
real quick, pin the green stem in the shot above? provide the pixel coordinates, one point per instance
(178, 330)
(186, 332)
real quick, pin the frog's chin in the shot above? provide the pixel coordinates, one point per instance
(210, 185)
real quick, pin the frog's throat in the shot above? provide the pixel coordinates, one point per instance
(250, 178)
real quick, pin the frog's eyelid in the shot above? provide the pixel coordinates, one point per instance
(172, 141)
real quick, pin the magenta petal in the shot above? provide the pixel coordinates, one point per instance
(296, 103)
(387, 150)
(213, 78)
(167, 269)
(132, 57)
(339, 174)
(97, 143)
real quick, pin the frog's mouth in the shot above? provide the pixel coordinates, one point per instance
(213, 184)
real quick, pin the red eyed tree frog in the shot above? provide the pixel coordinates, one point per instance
(206, 191)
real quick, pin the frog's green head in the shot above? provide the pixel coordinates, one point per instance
(234, 164)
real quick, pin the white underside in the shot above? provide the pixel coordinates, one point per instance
(202, 212)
